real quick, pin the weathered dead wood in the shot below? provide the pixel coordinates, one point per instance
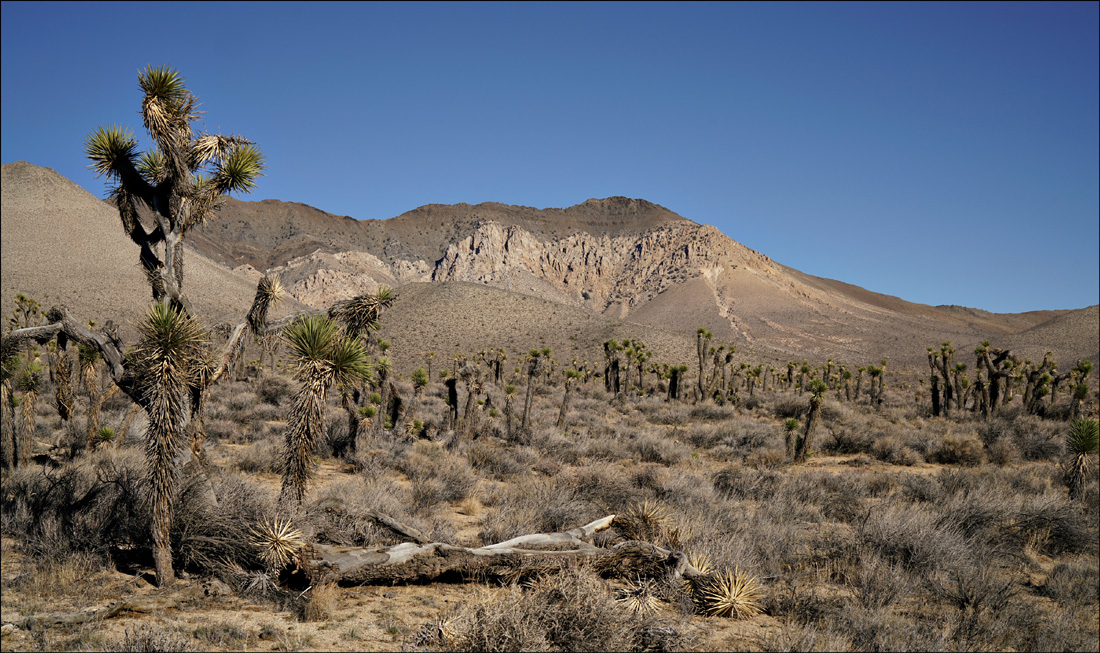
(411, 563)
(144, 605)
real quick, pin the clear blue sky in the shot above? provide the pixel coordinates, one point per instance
(943, 153)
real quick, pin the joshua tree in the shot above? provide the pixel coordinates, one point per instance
(817, 394)
(534, 366)
(182, 180)
(790, 425)
(163, 366)
(1080, 386)
(803, 372)
(611, 349)
(1081, 446)
(570, 377)
(509, 412)
(322, 355)
(676, 375)
(702, 339)
(28, 382)
(420, 381)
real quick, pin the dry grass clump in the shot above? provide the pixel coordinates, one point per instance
(319, 603)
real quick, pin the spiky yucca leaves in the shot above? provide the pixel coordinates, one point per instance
(163, 365)
(360, 315)
(28, 381)
(321, 355)
(639, 596)
(181, 178)
(277, 542)
(1082, 442)
(647, 521)
(268, 293)
(730, 593)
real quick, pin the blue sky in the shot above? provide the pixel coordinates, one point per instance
(943, 153)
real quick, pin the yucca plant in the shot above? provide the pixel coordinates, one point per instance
(639, 596)
(277, 542)
(163, 366)
(790, 425)
(322, 355)
(182, 179)
(1082, 441)
(730, 593)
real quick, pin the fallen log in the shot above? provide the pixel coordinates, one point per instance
(412, 563)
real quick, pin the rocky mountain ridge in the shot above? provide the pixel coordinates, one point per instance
(622, 260)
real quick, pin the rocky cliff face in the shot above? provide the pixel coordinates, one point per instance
(602, 273)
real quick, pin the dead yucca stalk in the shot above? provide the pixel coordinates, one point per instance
(278, 542)
(729, 594)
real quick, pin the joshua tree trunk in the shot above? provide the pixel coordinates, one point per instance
(452, 402)
(303, 432)
(26, 431)
(935, 395)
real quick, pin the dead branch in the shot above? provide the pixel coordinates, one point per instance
(411, 563)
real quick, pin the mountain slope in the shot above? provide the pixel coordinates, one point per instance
(62, 245)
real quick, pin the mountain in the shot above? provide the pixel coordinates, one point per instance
(626, 259)
(486, 275)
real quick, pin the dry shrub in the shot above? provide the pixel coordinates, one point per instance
(222, 635)
(500, 461)
(849, 438)
(437, 475)
(572, 610)
(1073, 583)
(963, 450)
(892, 450)
(655, 447)
(909, 536)
(876, 583)
(742, 483)
(339, 515)
(534, 505)
(795, 636)
(274, 390)
(261, 456)
(1003, 451)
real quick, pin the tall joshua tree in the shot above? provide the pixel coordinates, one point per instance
(702, 340)
(322, 355)
(817, 395)
(181, 180)
(163, 366)
(535, 360)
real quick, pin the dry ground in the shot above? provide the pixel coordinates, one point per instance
(900, 530)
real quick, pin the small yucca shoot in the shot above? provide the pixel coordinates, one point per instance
(639, 596)
(730, 594)
(277, 541)
(1082, 442)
